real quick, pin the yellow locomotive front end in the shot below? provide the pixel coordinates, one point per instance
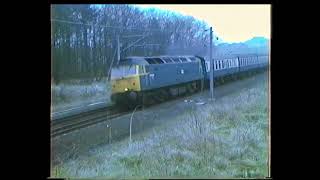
(125, 82)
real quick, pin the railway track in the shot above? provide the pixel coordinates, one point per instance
(71, 123)
(74, 122)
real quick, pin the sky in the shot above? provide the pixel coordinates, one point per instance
(232, 23)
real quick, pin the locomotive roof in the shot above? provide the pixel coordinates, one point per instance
(145, 60)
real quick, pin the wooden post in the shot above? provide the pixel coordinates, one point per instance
(211, 66)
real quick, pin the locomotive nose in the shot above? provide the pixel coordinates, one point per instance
(126, 84)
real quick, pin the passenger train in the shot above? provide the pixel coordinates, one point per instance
(161, 77)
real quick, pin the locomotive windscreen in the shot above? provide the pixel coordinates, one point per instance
(123, 71)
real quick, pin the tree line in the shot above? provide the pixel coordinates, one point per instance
(84, 37)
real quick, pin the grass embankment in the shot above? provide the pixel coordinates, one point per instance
(227, 138)
(75, 93)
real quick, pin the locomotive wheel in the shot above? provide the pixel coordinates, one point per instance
(191, 89)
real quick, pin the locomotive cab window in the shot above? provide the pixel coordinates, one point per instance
(141, 69)
(122, 71)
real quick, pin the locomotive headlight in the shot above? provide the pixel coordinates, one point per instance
(125, 89)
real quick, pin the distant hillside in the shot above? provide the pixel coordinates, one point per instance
(257, 42)
(256, 45)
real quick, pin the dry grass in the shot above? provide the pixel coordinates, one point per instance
(227, 138)
(72, 94)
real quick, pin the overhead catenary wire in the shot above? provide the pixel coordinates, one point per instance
(106, 26)
(114, 27)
